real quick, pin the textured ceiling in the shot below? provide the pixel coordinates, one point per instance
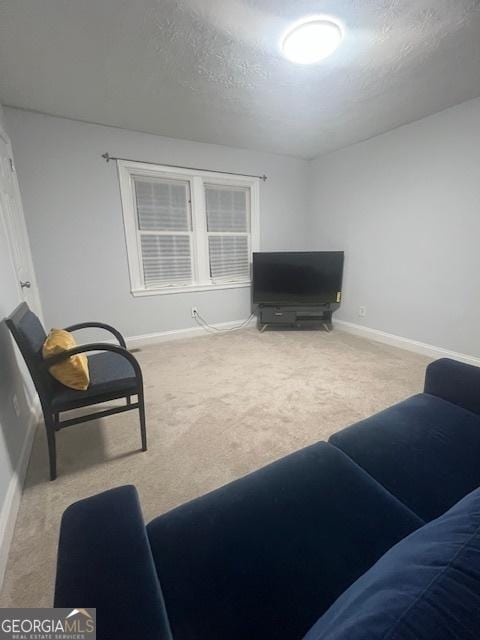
(210, 70)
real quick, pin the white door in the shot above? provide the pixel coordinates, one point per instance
(11, 212)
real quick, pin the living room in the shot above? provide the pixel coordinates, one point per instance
(155, 158)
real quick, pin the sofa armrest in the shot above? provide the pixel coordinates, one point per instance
(105, 561)
(454, 381)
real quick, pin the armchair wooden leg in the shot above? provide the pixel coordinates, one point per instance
(143, 427)
(52, 448)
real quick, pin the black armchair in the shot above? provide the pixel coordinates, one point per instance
(114, 373)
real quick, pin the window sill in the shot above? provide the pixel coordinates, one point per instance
(189, 289)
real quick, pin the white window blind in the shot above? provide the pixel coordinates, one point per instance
(228, 230)
(164, 225)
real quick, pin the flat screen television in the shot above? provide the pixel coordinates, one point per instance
(297, 277)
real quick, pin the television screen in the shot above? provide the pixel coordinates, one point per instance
(302, 277)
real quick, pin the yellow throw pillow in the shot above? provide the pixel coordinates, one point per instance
(72, 372)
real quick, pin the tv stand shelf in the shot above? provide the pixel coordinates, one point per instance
(296, 316)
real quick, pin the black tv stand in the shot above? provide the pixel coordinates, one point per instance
(299, 316)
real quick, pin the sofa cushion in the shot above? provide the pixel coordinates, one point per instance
(265, 555)
(427, 587)
(424, 450)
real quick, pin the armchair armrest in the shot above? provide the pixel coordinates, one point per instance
(99, 325)
(94, 346)
(105, 561)
(454, 381)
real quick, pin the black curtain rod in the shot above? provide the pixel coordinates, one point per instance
(108, 157)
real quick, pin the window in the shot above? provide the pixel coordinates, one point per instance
(187, 231)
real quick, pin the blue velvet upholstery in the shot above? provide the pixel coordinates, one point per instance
(425, 450)
(454, 381)
(426, 588)
(264, 556)
(105, 561)
(110, 374)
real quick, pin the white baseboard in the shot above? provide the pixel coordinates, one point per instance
(9, 511)
(405, 343)
(422, 348)
(176, 334)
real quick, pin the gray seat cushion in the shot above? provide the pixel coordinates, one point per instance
(111, 376)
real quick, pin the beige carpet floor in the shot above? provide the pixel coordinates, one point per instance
(218, 407)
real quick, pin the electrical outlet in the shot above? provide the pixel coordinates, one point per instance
(16, 406)
(362, 312)
(194, 311)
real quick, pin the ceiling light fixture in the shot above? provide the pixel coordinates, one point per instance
(311, 40)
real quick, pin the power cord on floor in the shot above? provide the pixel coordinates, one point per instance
(215, 330)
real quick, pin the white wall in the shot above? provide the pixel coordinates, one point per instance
(15, 430)
(73, 211)
(405, 207)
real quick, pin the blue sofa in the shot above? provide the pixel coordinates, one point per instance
(270, 554)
